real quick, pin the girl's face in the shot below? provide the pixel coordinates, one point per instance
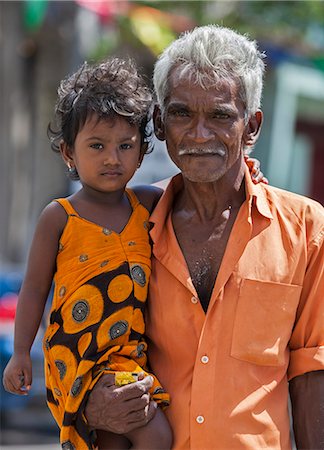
(106, 153)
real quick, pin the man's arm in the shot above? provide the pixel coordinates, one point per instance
(119, 409)
(307, 399)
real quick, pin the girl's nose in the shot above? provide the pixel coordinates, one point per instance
(111, 158)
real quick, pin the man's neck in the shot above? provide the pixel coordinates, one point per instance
(209, 200)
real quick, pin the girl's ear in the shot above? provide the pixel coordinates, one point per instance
(158, 123)
(252, 129)
(66, 154)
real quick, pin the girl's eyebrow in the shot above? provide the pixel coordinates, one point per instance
(94, 138)
(131, 137)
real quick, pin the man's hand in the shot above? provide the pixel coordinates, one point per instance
(255, 170)
(120, 409)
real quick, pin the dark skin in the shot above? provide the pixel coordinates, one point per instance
(307, 398)
(106, 154)
(205, 210)
(198, 119)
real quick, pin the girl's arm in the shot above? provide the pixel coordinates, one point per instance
(33, 295)
(148, 195)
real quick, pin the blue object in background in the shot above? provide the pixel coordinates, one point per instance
(10, 283)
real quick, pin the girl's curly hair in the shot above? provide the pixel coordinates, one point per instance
(109, 89)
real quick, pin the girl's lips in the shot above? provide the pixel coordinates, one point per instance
(111, 173)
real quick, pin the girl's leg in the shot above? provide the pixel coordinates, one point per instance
(156, 435)
(112, 441)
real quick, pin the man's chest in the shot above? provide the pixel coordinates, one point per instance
(203, 247)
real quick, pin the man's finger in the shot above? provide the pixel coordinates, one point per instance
(137, 389)
(143, 416)
(138, 404)
(106, 380)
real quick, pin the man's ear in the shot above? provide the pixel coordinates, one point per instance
(252, 129)
(66, 154)
(158, 123)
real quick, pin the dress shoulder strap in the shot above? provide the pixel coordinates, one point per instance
(132, 198)
(64, 202)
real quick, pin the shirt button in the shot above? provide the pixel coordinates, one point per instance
(200, 419)
(194, 300)
(204, 359)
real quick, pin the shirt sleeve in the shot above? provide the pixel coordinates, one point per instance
(307, 340)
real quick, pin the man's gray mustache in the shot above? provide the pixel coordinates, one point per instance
(202, 151)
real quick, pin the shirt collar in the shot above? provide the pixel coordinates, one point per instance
(256, 194)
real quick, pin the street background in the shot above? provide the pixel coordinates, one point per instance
(42, 41)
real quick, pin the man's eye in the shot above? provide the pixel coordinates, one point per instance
(179, 113)
(125, 146)
(220, 115)
(97, 146)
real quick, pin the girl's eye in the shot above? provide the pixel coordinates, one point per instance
(97, 146)
(125, 146)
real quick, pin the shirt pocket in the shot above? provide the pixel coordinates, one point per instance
(264, 320)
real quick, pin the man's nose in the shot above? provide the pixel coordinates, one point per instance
(111, 157)
(200, 131)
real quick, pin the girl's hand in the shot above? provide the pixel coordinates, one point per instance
(17, 376)
(255, 172)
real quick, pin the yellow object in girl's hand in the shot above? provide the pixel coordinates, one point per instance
(122, 378)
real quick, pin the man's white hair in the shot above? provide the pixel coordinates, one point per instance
(209, 53)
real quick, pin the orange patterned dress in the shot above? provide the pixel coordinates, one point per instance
(97, 315)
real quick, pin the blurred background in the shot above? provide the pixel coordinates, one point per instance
(43, 41)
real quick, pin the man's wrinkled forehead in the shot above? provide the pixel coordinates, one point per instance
(210, 83)
(205, 78)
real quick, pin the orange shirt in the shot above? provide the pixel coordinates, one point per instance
(227, 370)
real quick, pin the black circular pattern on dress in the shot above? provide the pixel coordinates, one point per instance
(76, 387)
(118, 329)
(61, 367)
(80, 311)
(67, 445)
(138, 275)
(140, 350)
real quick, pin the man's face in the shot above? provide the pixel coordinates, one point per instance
(204, 129)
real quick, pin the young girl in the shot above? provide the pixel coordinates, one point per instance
(95, 245)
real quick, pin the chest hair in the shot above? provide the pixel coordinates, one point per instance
(203, 246)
